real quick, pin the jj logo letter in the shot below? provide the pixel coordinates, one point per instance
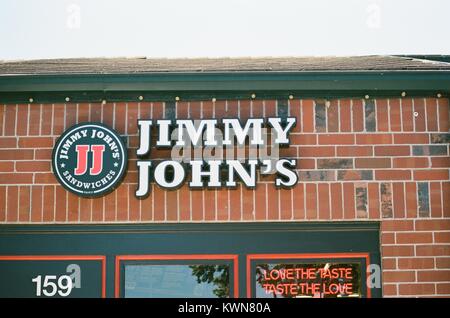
(82, 158)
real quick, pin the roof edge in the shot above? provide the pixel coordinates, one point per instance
(167, 86)
(182, 81)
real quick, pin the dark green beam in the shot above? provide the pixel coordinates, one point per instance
(196, 86)
(399, 80)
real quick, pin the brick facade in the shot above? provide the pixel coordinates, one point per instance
(358, 159)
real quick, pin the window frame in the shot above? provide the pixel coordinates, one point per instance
(299, 256)
(120, 259)
(100, 258)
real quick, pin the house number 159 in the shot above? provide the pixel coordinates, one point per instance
(49, 285)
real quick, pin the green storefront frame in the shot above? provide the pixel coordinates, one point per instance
(110, 245)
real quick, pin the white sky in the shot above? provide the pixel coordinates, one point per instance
(32, 29)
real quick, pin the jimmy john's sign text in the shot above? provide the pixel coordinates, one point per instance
(90, 159)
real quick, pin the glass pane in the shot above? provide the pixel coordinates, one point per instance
(318, 280)
(172, 281)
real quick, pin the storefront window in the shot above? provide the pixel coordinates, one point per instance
(308, 280)
(172, 281)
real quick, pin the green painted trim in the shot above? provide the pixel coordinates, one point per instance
(196, 86)
(98, 97)
(8, 229)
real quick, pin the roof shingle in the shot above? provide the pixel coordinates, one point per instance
(214, 65)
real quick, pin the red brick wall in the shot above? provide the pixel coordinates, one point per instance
(384, 159)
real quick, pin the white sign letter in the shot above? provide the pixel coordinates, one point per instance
(288, 177)
(144, 131)
(198, 173)
(241, 133)
(248, 177)
(282, 134)
(143, 168)
(178, 174)
(163, 129)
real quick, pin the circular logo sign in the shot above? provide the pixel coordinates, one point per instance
(89, 159)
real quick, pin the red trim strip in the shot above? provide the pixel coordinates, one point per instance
(236, 276)
(164, 257)
(117, 277)
(101, 258)
(251, 257)
(249, 280)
